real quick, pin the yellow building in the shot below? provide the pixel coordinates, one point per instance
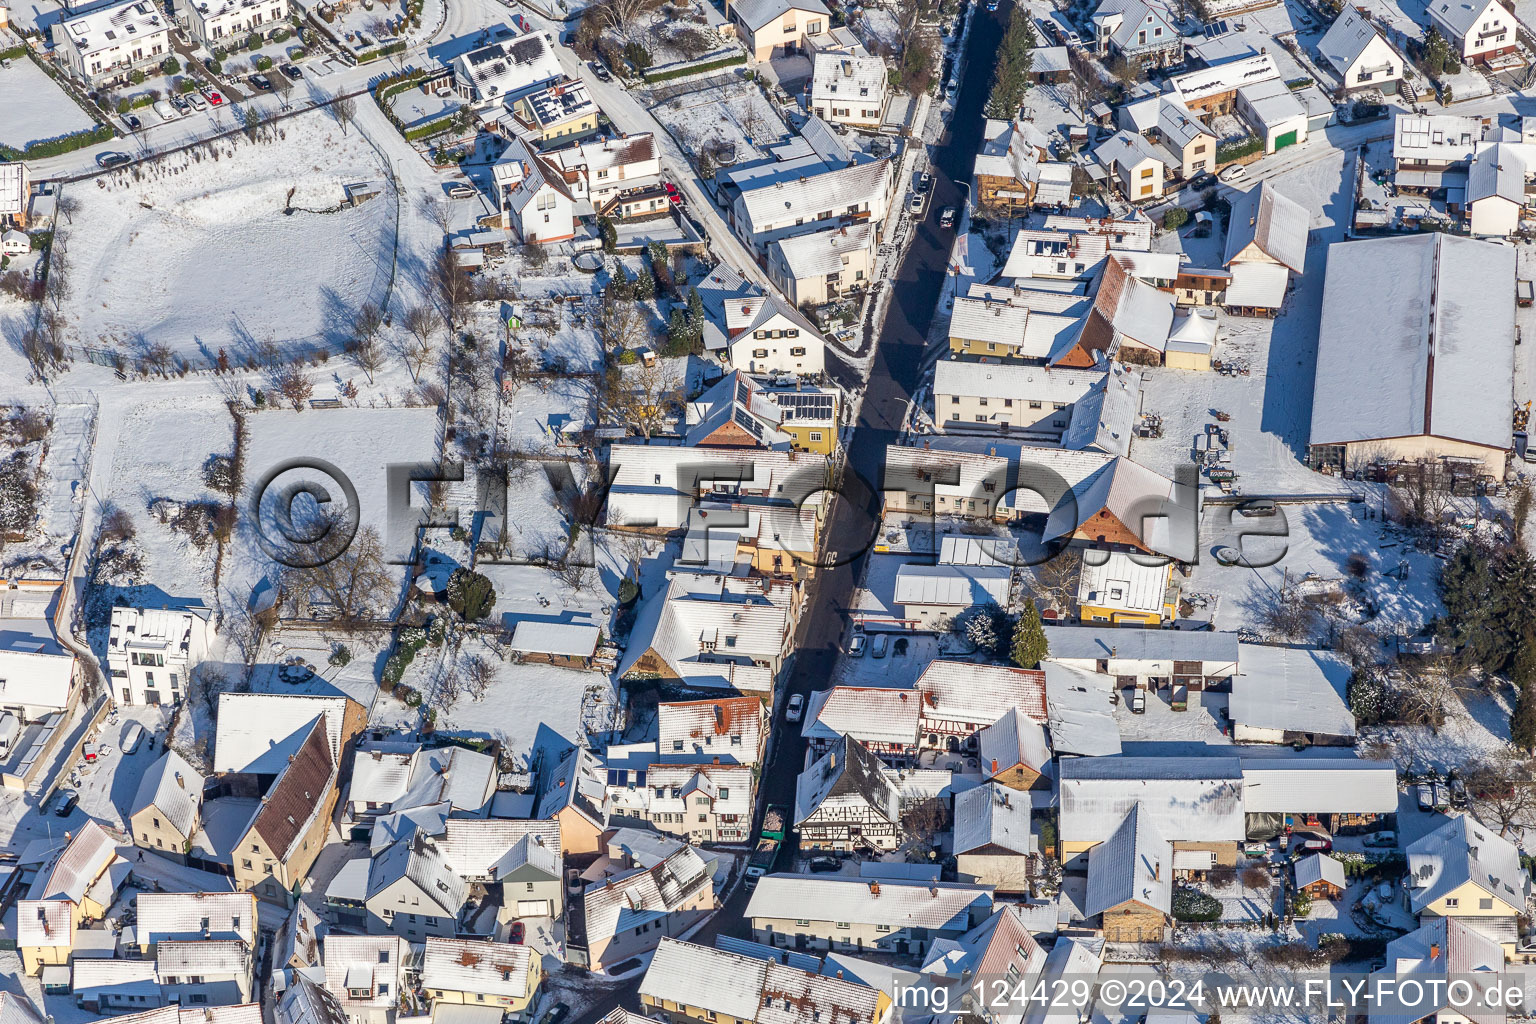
(561, 112)
(460, 972)
(1465, 870)
(75, 887)
(739, 412)
(167, 808)
(275, 854)
(775, 29)
(1121, 591)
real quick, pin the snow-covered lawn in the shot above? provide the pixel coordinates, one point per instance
(735, 115)
(198, 254)
(65, 455)
(33, 108)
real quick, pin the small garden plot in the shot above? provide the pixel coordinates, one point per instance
(415, 107)
(251, 248)
(33, 108)
(731, 124)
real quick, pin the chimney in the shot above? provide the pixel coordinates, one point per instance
(181, 781)
(933, 891)
(874, 888)
(1434, 950)
(994, 766)
(1157, 871)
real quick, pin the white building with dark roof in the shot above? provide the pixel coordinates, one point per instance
(507, 68)
(1438, 337)
(1359, 55)
(1477, 29)
(849, 90)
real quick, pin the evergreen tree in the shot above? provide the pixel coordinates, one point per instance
(1486, 591)
(1029, 645)
(1010, 77)
(1522, 721)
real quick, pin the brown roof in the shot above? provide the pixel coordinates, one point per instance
(298, 792)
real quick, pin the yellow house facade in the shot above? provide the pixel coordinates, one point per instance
(769, 32)
(462, 972)
(1122, 592)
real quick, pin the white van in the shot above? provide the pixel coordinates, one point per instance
(132, 737)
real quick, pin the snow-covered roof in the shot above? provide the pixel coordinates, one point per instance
(90, 978)
(960, 586)
(730, 728)
(35, 670)
(1197, 85)
(305, 1002)
(422, 862)
(687, 974)
(1134, 863)
(870, 714)
(899, 904)
(510, 67)
(710, 621)
(1273, 222)
(171, 916)
(475, 845)
(1318, 785)
(1437, 338)
(1319, 867)
(567, 639)
(45, 923)
(257, 731)
(1291, 690)
(13, 188)
(1446, 947)
(833, 188)
(1011, 380)
(993, 816)
(757, 13)
(1188, 799)
(1465, 850)
(1346, 39)
(821, 252)
(847, 779)
(380, 776)
(1081, 712)
(1500, 170)
(969, 692)
(1461, 16)
(1104, 418)
(88, 854)
(638, 897)
(214, 957)
(484, 968)
(843, 76)
(173, 788)
(1436, 138)
(1126, 308)
(1273, 103)
(462, 778)
(107, 27)
(769, 989)
(1013, 740)
(638, 498)
(1100, 643)
(1123, 152)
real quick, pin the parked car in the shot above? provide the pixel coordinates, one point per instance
(132, 737)
(924, 182)
(555, 1014)
(880, 644)
(166, 111)
(516, 936)
(66, 803)
(132, 121)
(1386, 838)
(600, 71)
(196, 102)
(1256, 507)
(292, 71)
(109, 160)
(823, 864)
(1232, 174)
(673, 195)
(795, 708)
(1458, 792)
(857, 646)
(947, 217)
(459, 190)
(1138, 701)
(915, 203)
(181, 104)
(261, 82)
(214, 98)
(1426, 796)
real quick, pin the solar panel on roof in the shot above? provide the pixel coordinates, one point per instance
(743, 392)
(750, 424)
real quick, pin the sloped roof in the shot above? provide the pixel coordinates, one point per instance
(1188, 799)
(1319, 867)
(1101, 643)
(993, 816)
(643, 895)
(475, 845)
(694, 975)
(1318, 785)
(1446, 947)
(944, 906)
(1105, 417)
(1346, 39)
(423, 864)
(707, 726)
(1460, 16)
(966, 691)
(847, 776)
(304, 1002)
(961, 586)
(489, 968)
(1291, 689)
(757, 13)
(1277, 224)
(168, 916)
(174, 788)
(1134, 863)
(44, 923)
(214, 957)
(867, 713)
(1014, 739)
(298, 795)
(380, 958)
(88, 854)
(257, 731)
(1460, 851)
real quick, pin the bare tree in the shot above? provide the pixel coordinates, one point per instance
(294, 386)
(38, 343)
(620, 15)
(620, 325)
(453, 285)
(68, 206)
(646, 396)
(421, 322)
(1506, 791)
(1055, 580)
(344, 109)
(478, 676)
(353, 583)
(283, 86)
(364, 345)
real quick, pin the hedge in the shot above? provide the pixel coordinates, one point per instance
(1237, 150)
(398, 46)
(14, 53)
(694, 69)
(1194, 905)
(63, 144)
(423, 131)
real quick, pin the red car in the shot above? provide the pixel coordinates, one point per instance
(517, 933)
(673, 194)
(214, 99)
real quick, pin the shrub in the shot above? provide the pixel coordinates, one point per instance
(1175, 218)
(1194, 905)
(216, 66)
(638, 56)
(263, 63)
(412, 698)
(695, 69)
(253, 41)
(1237, 150)
(219, 53)
(186, 85)
(280, 35)
(137, 78)
(340, 656)
(170, 66)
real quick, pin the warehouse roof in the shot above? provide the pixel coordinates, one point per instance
(1188, 799)
(1293, 690)
(899, 904)
(1084, 643)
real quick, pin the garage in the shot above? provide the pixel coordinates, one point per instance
(1288, 139)
(533, 908)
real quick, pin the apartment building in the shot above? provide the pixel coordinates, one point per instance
(151, 652)
(109, 43)
(217, 22)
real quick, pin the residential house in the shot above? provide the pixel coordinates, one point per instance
(167, 808)
(1015, 752)
(1359, 55)
(933, 596)
(498, 974)
(1000, 947)
(303, 1002)
(409, 775)
(298, 939)
(114, 986)
(1141, 31)
(1320, 876)
(777, 28)
(820, 267)
(1136, 165)
(1290, 695)
(958, 699)
(1466, 870)
(109, 43)
(1034, 400)
(532, 196)
(629, 914)
(364, 974)
(1190, 145)
(1478, 30)
(657, 487)
(571, 793)
(774, 540)
(1149, 659)
(730, 729)
(1266, 243)
(15, 193)
(700, 802)
(506, 68)
(845, 802)
(712, 631)
(193, 916)
(1130, 880)
(757, 332)
(1011, 168)
(853, 914)
(1114, 587)
(740, 412)
(1062, 253)
(992, 841)
(212, 972)
(849, 90)
(257, 732)
(883, 720)
(414, 892)
(1006, 328)
(1277, 114)
(1080, 711)
(222, 22)
(152, 652)
(691, 984)
(1130, 320)
(520, 855)
(820, 197)
(602, 170)
(37, 673)
(1195, 803)
(74, 886)
(1431, 151)
(1499, 188)
(1444, 393)
(1419, 964)
(557, 113)
(278, 847)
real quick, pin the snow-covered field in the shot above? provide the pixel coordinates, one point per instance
(736, 115)
(32, 108)
(197, 253)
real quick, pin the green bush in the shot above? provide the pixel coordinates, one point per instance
(295, 53)
(219, 53)
(1194, 905)
(412, 698)
(263, 63)
(14, 53)
(137, 78)
(1175, 218)
(280, 35)
(629, 357)
(217, 67)
(431, 128)
(186, 85)
(340, 656)
(638, 56)
(253, 41)
(123, 106)
(170, 66)
(695, 69)
(398, 46)
(1237, 150)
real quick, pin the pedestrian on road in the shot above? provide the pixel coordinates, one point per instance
(141, 856)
